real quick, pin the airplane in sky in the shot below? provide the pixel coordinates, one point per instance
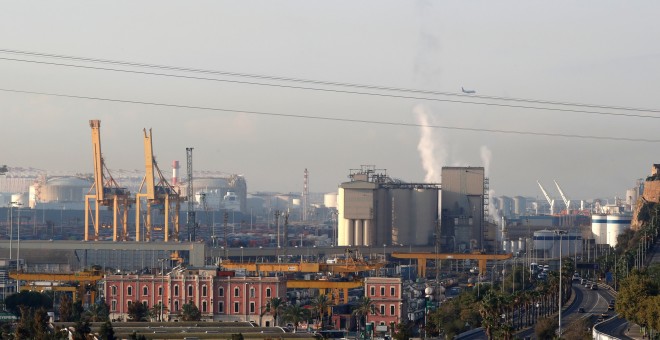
(468, 91)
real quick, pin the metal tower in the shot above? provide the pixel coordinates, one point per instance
(305, 195)
(191, 197)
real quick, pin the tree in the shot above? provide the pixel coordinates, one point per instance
(155, 312)
(66, 308)
(320, 305)
(404, 331)
(636, 298)
(106, 332)
(295, 314)
(98, 312)
(29, 299)
(83, 328)
(363, 308)
(137, 312)
(545, 329)
(135, 336)
(274, 307)
(191, 312)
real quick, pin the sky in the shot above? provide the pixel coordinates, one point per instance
(603, 53)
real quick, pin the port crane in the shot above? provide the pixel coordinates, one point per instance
(59, 282)
(547, 197)
(160, 193)
(422, 257)
(107, 192)
(567, 202)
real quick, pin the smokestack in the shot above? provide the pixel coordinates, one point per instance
(175, 172)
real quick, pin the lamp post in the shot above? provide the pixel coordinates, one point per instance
(162, 285)
(241, 254)
(18, 250)
(384, 255)
(11, 228)
(560, 233)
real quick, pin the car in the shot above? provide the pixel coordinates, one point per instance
(581, 310)
(612, 301)
(610, 307)
(583, 281)
(576, 276)
(594, 286)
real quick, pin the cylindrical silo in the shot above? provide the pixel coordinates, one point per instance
(522, 244)
(342, 222)
(401, 216)
(616, 225)
(425, 203)
(519, 205)
(359, 230)
(514, 247)
(599, 228)
(506, 244)
(368, 234)
(544, 240)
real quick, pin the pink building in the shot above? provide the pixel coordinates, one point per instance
(218, 297)
(386, 296)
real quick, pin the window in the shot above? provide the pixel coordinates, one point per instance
(382, 323)
(252, 307)
(129, 291)
(392, 291)
(237, 292)
(252, 292)
(382, 291)
(373, 291)
(160, 291)
(145, 291)
(267, 292)
(176, 290)
(114, 305)
(204, 290)
(203, 306)
(145, 304)
(391, 309)
(113, 290)
(382, 309)
(267, 323)
(190, 290)
(221, 307)
(236, 307)
(176, 306)
(129, 302)
(221, 291)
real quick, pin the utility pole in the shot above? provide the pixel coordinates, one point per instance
(305, 195)
(191, 197)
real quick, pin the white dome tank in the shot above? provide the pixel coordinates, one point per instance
(599, 228)
(514, 246)
(616, 225)
(330, 200)
(507, 246)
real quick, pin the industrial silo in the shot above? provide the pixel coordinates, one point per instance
(616, 225)
(402, 216)
(519, 205)
(544, 240)
(425, 203)
(599, 228)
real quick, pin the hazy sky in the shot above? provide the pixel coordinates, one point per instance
(596, 52)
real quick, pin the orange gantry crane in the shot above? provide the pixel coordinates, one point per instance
(107, 192)
(160, 193)
(329, 288)
(422, 257)
(58, 281)
(339, 267)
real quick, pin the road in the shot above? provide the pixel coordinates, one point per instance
(594, 302)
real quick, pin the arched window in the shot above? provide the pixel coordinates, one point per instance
(237, 292)
(113, 290)
(204, 290)
(145, 291)
(251, 292)
(203, 306)
(129, 291)
(176, 305)
(267, 292)
(221, 291)
(176, 290)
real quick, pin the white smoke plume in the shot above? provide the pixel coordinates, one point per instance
(486, 158)
(433, 155)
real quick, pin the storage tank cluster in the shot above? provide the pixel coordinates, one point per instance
(547, 243)
(515, 246)
(607, 228)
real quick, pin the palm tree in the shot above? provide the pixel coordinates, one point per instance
(363, 308)
(274, 307)
(295, 314)
(320, 305)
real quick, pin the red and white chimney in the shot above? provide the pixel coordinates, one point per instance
(175, 173)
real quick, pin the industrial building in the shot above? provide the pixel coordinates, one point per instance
(374, 209)
(464, 205)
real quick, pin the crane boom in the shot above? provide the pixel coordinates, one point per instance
(563, 197)
(547, 197)
(95, 124)
(149, 165)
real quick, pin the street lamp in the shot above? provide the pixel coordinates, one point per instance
(18, 225)
(241, 254)
(560, 233)
(162, 285)
(384, 256)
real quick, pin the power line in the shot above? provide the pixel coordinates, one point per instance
(321, 82)
(455, 101)
(345, 120)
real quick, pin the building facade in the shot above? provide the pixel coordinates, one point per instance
(217, 296)
(386, 295)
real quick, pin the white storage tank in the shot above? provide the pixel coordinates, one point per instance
(19, 200)
(425, 217)
(543, 240)
(330, 200)
(599, 228)
(514, 247)
(616, 225)
(506, 244)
